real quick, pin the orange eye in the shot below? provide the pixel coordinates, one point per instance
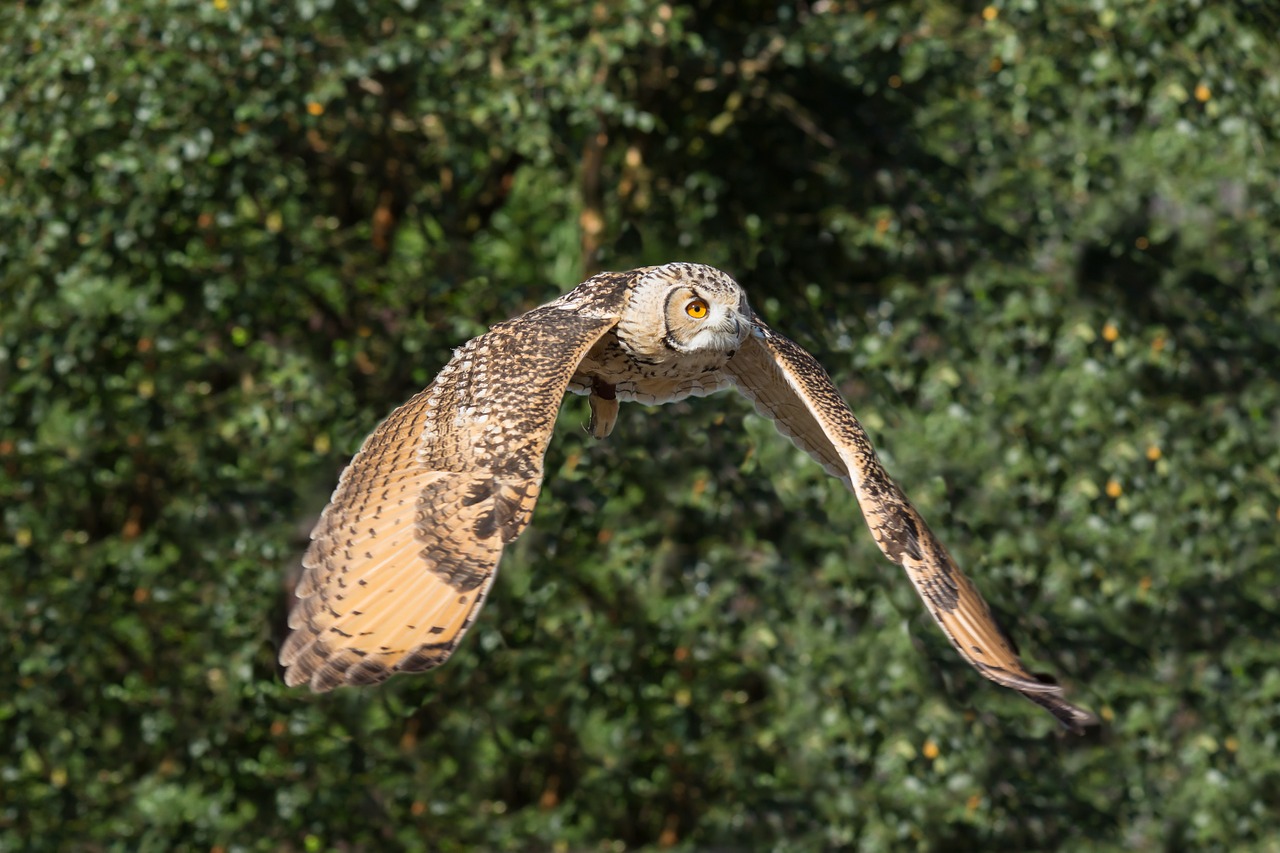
(697, 309)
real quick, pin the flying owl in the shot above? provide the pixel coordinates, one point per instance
(407, 549)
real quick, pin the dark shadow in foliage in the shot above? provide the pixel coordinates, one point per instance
(1207, 316)
(826, 144)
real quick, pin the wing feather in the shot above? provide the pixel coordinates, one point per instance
(788, 385)
(406, 551)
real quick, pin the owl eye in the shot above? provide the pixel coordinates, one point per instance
(697, 308)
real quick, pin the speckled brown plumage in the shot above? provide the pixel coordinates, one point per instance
(406, 551)
(788, 385)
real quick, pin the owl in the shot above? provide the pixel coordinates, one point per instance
(407, 549)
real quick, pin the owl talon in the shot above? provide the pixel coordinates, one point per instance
(604, 415)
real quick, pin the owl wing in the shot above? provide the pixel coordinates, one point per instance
(789, 386)
(404, 554)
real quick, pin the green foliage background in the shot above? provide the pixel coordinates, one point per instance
(1035, 243)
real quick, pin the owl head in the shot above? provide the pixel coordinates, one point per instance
(702, 310)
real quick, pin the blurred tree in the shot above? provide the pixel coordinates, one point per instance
(1036, 243)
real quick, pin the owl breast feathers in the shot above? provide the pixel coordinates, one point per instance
(404, 554)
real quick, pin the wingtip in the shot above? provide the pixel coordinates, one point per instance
(1073, 718)
(1048, 694)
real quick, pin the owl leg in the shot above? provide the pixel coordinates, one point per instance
(604, 409)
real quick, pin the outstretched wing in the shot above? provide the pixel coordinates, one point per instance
(788, 385)
(406, 551)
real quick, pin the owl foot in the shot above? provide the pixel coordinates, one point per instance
(604, 409)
